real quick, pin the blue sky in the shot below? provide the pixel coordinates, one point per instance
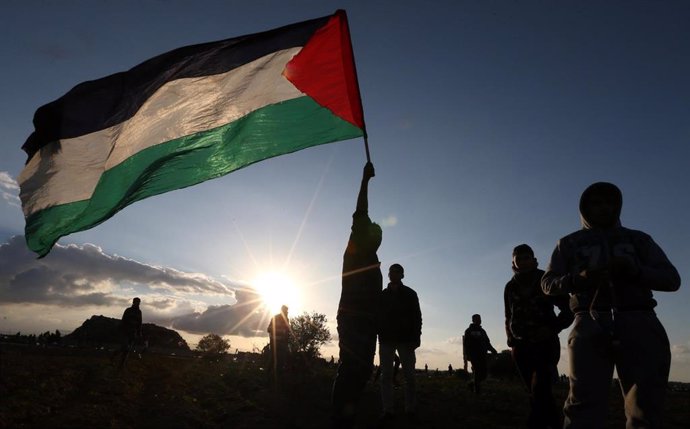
(486, 121)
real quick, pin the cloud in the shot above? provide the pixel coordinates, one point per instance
(76, 275)
(681, 352)
(84, 277)
(247, 318)
(389, 221)
(454, 341)
(9, 189)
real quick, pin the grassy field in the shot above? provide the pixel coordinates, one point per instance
(59, 388)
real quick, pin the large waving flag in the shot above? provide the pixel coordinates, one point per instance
(186, 116)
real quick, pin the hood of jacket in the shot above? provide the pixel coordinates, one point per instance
(600, 188)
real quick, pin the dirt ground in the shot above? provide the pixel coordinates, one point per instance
(80, 388)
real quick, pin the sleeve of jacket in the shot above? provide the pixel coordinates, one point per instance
(565, 315)
(464, 345)
(417, 314)
(656, 271)
(508, 315)
(557, 279)
(489, 347)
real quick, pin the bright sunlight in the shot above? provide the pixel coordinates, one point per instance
(277, 289)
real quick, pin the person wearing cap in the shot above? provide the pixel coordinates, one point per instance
(475, 345)
(129, 331)
(400, 330)
(532, 328)
(279, 336)
(610, 271)
(358, 309)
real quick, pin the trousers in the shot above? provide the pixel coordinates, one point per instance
(636, 345)
(408, 361)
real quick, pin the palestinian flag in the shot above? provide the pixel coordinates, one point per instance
(183, 117)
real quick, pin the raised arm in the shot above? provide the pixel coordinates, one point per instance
(363, 198)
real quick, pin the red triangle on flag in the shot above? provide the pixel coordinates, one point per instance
(325, 70)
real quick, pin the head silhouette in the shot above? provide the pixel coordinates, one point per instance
(523, 259)
(396, 273)
(600, 206)
(136, 302)
(476, 319)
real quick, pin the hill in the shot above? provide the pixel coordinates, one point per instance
(100, 330)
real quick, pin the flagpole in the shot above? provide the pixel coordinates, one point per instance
(346, 28)
(366, 147)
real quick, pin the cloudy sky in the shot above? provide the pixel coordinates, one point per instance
(487, 119)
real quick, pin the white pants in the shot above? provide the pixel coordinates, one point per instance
(407, 361)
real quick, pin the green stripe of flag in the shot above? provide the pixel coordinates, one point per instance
(270, 131)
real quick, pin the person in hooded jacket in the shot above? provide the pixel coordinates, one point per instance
(532, 328)
(610, 271)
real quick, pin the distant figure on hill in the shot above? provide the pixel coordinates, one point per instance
(129, 330)
(400, 330)
(450, 369)
(396, 367)
(475, 345)
(532, 329)
(279, 336)
(610, 272)
(358, 309)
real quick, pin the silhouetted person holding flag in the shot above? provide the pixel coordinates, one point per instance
(129, 330)
(358, 308)
(279, 336)
(400, 330)
(475, 345)
(532, 328)
(610, 273)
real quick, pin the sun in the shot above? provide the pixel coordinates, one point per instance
(277, 289)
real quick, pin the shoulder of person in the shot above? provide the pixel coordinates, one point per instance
(637, 235)
(409, 290)
(571, 238)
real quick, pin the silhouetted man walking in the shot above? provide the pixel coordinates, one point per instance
(129, 330)
(532, 329)
(475, 344)
(400, 329)
(279, 336)
(357, 311)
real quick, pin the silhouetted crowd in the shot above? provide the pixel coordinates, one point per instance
(599, 280)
